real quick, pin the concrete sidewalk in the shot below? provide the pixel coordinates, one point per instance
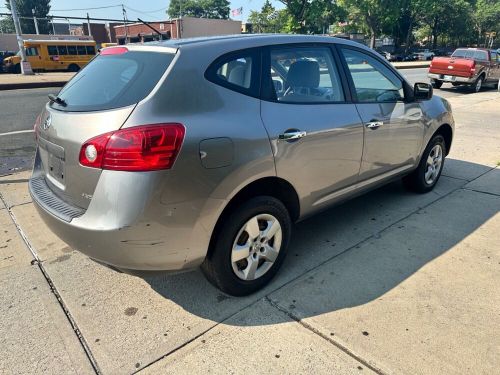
(38, 80)
(391, 282)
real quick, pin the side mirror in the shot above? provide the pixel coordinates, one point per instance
(422, 91)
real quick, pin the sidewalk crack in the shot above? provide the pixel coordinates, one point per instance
(331, 340)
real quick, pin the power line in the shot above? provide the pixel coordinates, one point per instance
(141, 12)
(70, 10)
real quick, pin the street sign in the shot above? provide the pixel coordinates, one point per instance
(26, 68)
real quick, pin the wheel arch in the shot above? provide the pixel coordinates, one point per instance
(446, 131)
(272, 186)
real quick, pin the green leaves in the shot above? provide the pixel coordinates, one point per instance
(24, 7)
(199, 8)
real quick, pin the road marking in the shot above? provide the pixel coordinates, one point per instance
(17, 132)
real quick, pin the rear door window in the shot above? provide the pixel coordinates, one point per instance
(114, 81)
(305, 75)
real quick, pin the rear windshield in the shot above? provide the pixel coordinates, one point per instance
(471, 54)
(114, 81)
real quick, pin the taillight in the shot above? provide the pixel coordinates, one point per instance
(141, 148)
(36, 126)
(473, 68)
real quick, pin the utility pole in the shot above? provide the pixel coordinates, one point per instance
(88, 24)
(125, 23)
(35, 21)
(53, 27)
(179, 21)
(25, 65)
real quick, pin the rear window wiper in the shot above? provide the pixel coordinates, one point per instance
(55, 99)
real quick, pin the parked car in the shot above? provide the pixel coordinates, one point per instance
(466, 66)
(410, 57)
(425, 55)
(4, 55)
(390, 56)
(172, 155)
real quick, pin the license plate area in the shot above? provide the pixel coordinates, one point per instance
(56, 168)
(449, 78)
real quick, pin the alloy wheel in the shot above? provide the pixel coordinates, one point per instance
(256, 247)
(479, 83)
(434, 163)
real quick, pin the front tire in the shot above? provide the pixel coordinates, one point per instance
(425, 177)
(249, 247)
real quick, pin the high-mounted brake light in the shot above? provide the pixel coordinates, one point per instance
(141, 148)
(114, 51)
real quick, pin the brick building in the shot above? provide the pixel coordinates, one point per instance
(186, 27)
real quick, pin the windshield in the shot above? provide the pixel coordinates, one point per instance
(114, 81)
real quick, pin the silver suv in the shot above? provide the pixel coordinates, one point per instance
(172, 155)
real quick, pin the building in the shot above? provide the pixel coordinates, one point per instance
(187, 27)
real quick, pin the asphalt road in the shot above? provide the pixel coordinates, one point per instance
(19, 108)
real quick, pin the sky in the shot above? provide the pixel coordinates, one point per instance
(148, 10)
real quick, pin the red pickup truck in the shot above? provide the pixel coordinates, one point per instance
(466, 66)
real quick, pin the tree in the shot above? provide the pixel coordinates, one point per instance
(320, 14)
(7, 25)
(24, 9)
(372, 14)
(269, 20)
(486, 18)
(199, 8)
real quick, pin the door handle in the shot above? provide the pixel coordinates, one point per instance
(292, 135)
(374, 124)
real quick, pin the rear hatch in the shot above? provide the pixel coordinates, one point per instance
(98, 100)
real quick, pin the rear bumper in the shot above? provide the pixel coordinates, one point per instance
(127, 226)
(450, 78)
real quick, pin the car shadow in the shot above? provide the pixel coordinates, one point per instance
(368, 245)
(465, 90)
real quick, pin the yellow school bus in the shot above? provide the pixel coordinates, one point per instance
(104, 45)
(51, 55)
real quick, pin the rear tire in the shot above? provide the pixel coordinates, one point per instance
(425, 177)
(227, 265)
(73, 68)
(476, 87)
(436, 83)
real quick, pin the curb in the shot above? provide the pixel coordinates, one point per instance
(412, 66)
(30, 85)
